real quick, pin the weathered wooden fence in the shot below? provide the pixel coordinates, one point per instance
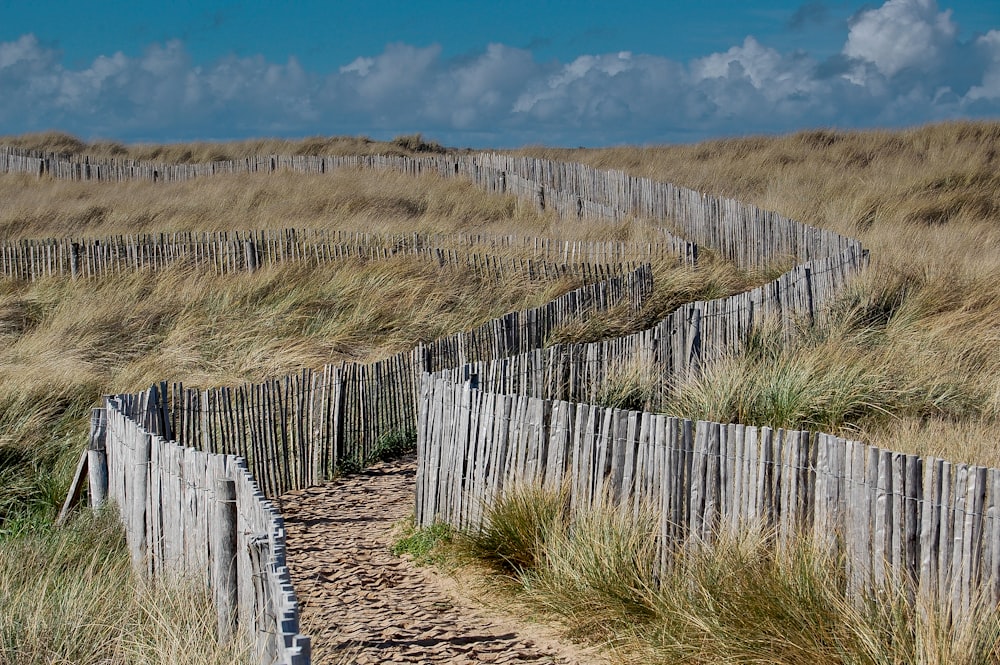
(742, 233)
(657, 359)
(225, 252)
(885, 517)
(200, 516)
(295, 431)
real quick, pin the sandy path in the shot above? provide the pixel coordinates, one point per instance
(362, 604)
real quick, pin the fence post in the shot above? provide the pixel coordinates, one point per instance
(470, 377)
(223, 545)
(151, 415)
(250, 250)
(693, 355)
(166, 426)
(301, 650)
(140, 487)
(74, 260)
(97, 458)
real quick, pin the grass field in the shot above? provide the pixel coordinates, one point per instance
(922, 327)
(912, 363)
(66, 343)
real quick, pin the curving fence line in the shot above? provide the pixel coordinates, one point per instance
(684, 342)
(882, 517)
(299, 430)
(190, 471)
(660, 357)
(226, 252)
(741, 233)
(198, 516)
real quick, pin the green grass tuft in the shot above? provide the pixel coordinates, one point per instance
(424, 545)
(517, 528)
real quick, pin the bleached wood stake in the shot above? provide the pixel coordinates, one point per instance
(251, 256)
(75, 488)
(74, 260)
(97, 459)
(140, 486)
(224, 582)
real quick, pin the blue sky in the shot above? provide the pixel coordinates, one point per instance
(493, 74)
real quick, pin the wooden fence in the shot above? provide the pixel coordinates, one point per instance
(295, 431)
(885, 517)
(657, 359)
(492, 256)
(742, 233)
(200, 516)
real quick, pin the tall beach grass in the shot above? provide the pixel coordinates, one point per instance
(69, 596)
(598, 575)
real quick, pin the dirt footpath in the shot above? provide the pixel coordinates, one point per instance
(362, 604)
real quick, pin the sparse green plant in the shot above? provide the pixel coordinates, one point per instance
(630, 384)
(394, 444)
(424, 544)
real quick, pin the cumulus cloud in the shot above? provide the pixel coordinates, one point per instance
(989, 86)
(901, 34)
(900, 63)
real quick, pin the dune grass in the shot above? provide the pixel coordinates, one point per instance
(69, 596)
(926, 202)
(902, 366)
(215, 151)
(66, 343)
(349, 199)
(597, 575)
(911, 363)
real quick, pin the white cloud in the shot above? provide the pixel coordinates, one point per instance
(480, 90)
(25, 50)
(360, 66)
(773, 76)
(901, 63)
(399, 69)
(989, 88)
(901, 34)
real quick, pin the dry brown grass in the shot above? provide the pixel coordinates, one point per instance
(216, 151)
(69, 596)
(65, 343)
(926, 202)
(349, 199)
(927, 317)
(927, 197)
(596, 575)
